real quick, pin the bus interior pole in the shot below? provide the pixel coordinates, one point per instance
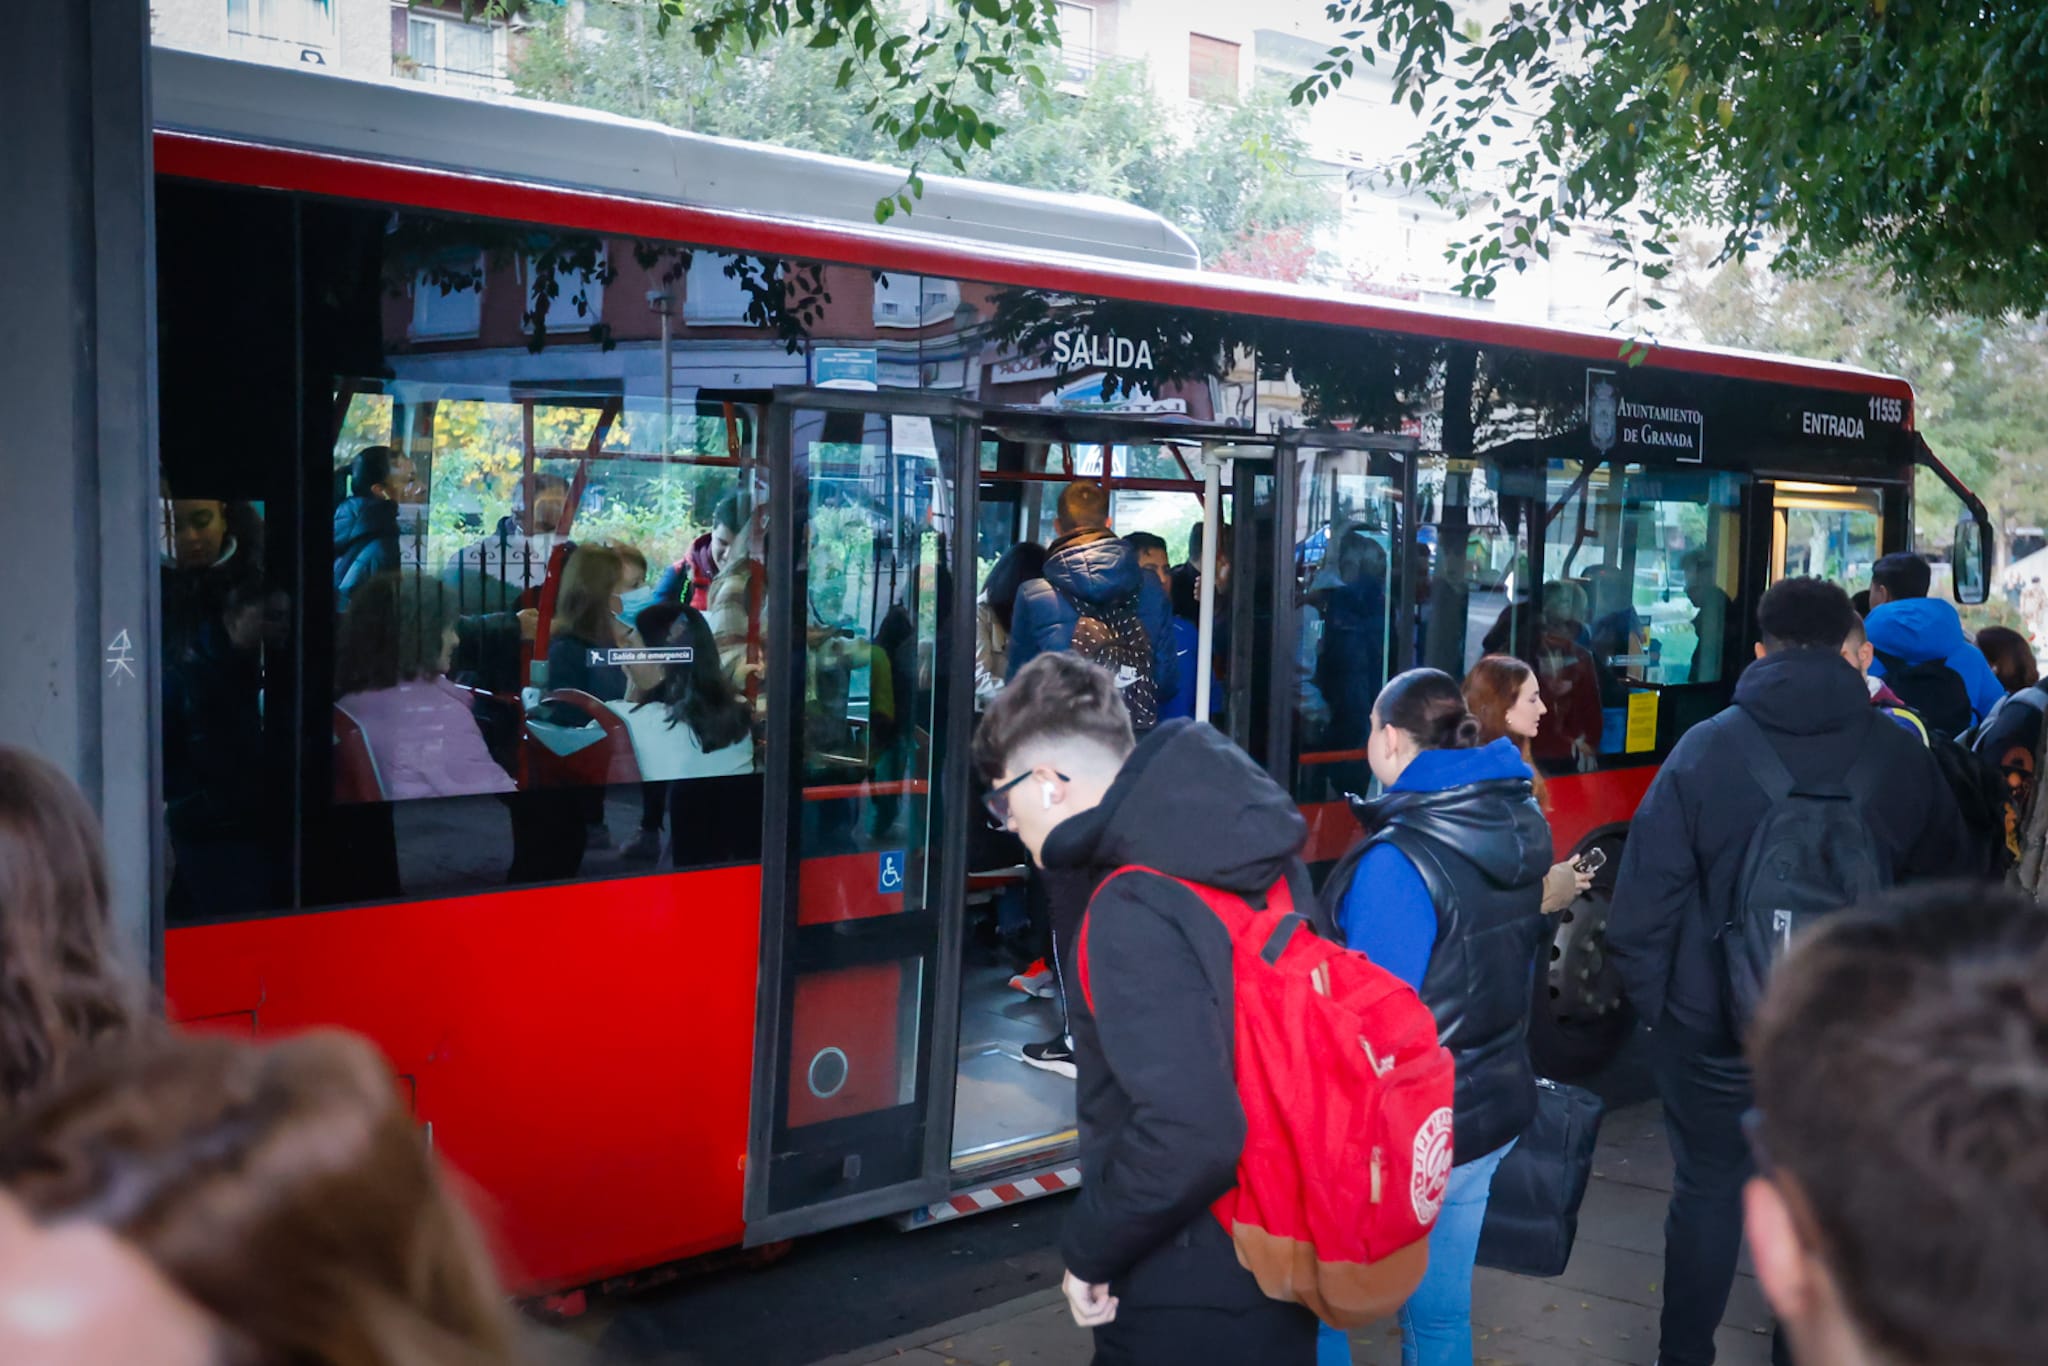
(1205, 595)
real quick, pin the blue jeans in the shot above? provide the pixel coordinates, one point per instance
(1436, 1323)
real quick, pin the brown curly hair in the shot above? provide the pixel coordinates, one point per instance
(62, 987)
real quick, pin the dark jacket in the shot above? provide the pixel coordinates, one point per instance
(1470, 827)
(1676, 886)
(1093, 567)
(1161, 1126)
(569, 666)
(365, 544)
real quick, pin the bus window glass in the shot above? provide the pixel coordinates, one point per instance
(1630, 585)
(1347, 533)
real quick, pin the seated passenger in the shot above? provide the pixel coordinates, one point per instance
(397, 638)
(587, 619)
(685, 719)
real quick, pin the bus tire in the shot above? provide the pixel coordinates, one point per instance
(1578, 1018)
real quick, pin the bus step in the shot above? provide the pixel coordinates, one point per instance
(997, 1194)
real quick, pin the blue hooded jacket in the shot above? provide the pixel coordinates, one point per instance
(1387, 914)
(1091, 566)
(1919, 630)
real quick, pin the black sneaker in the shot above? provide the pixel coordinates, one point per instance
(1054, 1055)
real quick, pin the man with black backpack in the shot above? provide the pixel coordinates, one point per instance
(1922, 653)
(1096, 601)
(1799, 799)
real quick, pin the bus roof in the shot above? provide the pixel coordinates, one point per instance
(405, 121)
(404, 143)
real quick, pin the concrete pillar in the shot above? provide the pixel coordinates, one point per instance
(78, 531)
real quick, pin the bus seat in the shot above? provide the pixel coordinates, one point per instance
(355, 768)
(608, 759)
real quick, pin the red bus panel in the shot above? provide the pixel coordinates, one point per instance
(583, 1053)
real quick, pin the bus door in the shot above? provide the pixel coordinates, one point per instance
(868, 689)
(1351, 561)
(1831, 531)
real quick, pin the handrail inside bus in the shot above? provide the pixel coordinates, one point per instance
(1331, 756)
(900, 787)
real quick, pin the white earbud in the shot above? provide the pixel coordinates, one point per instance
(1046, 790)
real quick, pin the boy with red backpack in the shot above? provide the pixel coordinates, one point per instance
(1257, 1106)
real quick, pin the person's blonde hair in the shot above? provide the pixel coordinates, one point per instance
(583, 605)
(283, 1188)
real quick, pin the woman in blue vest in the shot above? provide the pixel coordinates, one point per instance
(1448, 897)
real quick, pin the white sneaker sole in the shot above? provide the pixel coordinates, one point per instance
(1043, 991)
(1064, 1068)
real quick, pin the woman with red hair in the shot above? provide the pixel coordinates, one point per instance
(1504, 694)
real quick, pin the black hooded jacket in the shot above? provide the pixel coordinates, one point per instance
(1161, 1126)
(365, 543)
(1676, 886)
(1481, 849)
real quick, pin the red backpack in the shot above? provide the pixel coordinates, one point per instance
(1347, 1106)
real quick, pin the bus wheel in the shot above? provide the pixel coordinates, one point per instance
(1579, 1020)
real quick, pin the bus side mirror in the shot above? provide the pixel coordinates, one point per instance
(1971, 562)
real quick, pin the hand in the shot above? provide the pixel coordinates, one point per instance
(1091, 1305)
(529, 624)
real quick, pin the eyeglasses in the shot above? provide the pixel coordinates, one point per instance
(998, 799)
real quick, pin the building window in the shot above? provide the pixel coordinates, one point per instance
(449, 52)
(914, 301)
(1077, 41)
(710, 296)
(299, 31)
(448, 300)
(1212, 68)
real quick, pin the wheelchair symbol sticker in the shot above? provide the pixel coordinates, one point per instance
(889, 875)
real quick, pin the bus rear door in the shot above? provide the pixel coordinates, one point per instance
(868, 693)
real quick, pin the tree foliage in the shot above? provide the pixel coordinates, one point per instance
(1981, 387)
(1912, 133)
(1230, 178)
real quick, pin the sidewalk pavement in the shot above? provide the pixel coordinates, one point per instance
(1602, 1310)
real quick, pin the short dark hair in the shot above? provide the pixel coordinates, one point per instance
(732, 512)
(1901, 1072)
(1195, 539)
(1142, 541)
(1804, 614)
(1084, 505)
(1056, 696)
(1902, 574)
(371, 467)
(1429, 705)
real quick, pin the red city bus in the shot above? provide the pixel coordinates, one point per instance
(688, 942)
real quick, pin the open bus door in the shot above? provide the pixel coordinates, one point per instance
(869, 689)
(1328, 485)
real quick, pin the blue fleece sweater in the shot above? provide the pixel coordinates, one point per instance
(1921, 629)
(1387, 914)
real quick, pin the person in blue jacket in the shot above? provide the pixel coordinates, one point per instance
(1448, 897)
(1907, 624)
(1087, 563)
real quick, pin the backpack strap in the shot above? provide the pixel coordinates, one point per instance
(1279, 902)
(1860, 784)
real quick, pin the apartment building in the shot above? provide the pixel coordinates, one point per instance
(427, 42)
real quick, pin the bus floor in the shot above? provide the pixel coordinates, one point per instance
(1005, 1111)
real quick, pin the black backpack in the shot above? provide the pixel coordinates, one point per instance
(1933, 690)
(1111, 634)
(1978, 785)
(1812, 853)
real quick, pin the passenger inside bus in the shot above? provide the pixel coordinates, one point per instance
(396, 641)
(1570, 730)
(684, 718)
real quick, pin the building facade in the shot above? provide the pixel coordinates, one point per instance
(433, 43)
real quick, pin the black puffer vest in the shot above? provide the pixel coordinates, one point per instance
(1482, 850)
